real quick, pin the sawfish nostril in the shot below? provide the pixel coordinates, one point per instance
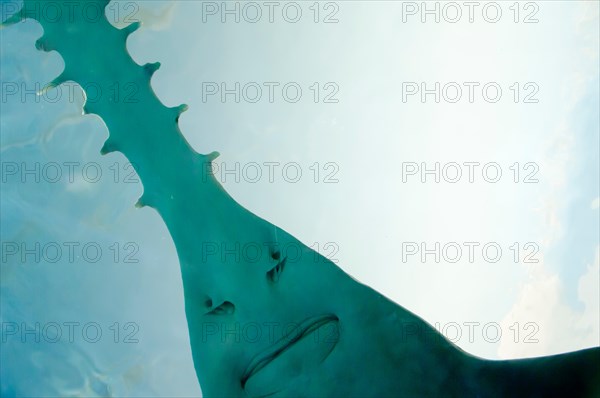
(226, 308)
(275, 272)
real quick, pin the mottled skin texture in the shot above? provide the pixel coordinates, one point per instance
(349, 340)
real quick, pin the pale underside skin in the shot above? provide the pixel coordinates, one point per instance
(349, 340)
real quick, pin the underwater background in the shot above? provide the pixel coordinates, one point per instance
(313, 109)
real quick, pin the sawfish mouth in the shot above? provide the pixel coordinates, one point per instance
(307, 328)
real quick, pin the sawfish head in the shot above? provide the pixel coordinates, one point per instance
(268, 315)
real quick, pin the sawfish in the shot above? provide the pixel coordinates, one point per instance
(277, 319)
